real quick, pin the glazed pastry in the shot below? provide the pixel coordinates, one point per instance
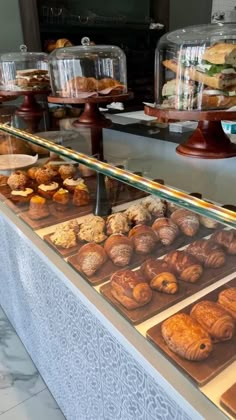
(48, 190)
(32, 171)
(144, 239)
(130, 289)
(90, 258)
(159, 276)
(137, 214)
(227, 239)
(214, 319)
(64, 238)
(117, 223)
(61, 199)
(38, 208)
(70, 183)
(186, 220)
(207, 252)
(67, 171)
(207, 222)
(227, 299)
(155, 206)
(166, 230)
(185, 266)
(43, 176)
(22, 196)
(18, 180)
(81, 195)
(92, 229)
(186, 337)
(119, 249)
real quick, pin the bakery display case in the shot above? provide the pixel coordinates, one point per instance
(88, 70)
(154, 278)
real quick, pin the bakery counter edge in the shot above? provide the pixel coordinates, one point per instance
(93, 361)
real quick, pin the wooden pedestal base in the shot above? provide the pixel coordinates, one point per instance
(208, 142)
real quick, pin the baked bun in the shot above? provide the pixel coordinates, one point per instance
(90, 258)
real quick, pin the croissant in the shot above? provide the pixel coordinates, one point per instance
(207, 252)
(214, 319)
(90, 258)
(144, 239)
(227, 239)
(208, 223)
(130, 289)
(185, 266)
(166, 230)
(60, 43)
(227, 299)
(119, 248)
(159, 276)
(186, 220)
(185, 337)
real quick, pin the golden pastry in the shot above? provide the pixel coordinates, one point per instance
(227, 299)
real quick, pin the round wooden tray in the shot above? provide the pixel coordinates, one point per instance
(92, 99)
(209, 140)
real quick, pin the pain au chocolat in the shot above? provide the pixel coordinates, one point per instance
(227, 299)
(186, 337)
(160, 278)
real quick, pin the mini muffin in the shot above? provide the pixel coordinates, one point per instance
(43, 176)
(48, 190)
(61, 199)
(22, 196)
(38, 208)
(32, 171)
(81, 195)
(67, 171)
(70, 183)
(18, 180)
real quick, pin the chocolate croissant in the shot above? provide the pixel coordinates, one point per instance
(159, 276)
(185, 266)
(130, 289)
(166, 230)
(214, 319)
(227, 299)
(90, 258)
(119, 248)
(185, 337)
(227, 239)
(144, 239)
(207, 252)
(186, 220)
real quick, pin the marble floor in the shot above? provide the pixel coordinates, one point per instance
(23, 393)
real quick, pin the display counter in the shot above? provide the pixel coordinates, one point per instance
(99, 358)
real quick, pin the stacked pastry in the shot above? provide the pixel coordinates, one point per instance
(32, 79)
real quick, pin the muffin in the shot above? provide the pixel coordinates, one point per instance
(22, 196)
(38, 208)
(32, 171)
(70, 183)
(67, 171)
(81, 195)
(18, 180)
(61, 199)
(43, 176)
(48, 190)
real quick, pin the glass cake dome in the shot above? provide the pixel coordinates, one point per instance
(24, 71)
(87, 70)
(195, 68)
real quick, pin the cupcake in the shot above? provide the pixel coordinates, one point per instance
(70, 183)
(38, 208)
(48, 190)
(22, 196)
(67, 171)
(17, 180)
(81, 195)
(61, 199)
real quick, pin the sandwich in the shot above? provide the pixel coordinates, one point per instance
(179, 94)
(214, 74)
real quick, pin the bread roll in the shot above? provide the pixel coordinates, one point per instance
(90, 258)
(227, 299)
(185, 337)
(144, 239)
(119, 248)
(214, 319)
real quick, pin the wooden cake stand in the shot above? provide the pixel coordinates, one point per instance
(92, 118)
(209, 140)
(30, 110)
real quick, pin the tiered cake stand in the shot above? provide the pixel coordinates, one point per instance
(208, 141)
(30, 110)
(92, 118)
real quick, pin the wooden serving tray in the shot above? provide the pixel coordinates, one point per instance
(56, 216)
(200, 372)
(228, 400)
(161, 301)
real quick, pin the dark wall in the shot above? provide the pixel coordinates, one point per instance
(189, 12)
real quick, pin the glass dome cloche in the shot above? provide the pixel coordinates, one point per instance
(87, 70)
(195, 68)
(24, 71)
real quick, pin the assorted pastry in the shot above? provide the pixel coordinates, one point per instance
(192, 336)
(89, 86)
